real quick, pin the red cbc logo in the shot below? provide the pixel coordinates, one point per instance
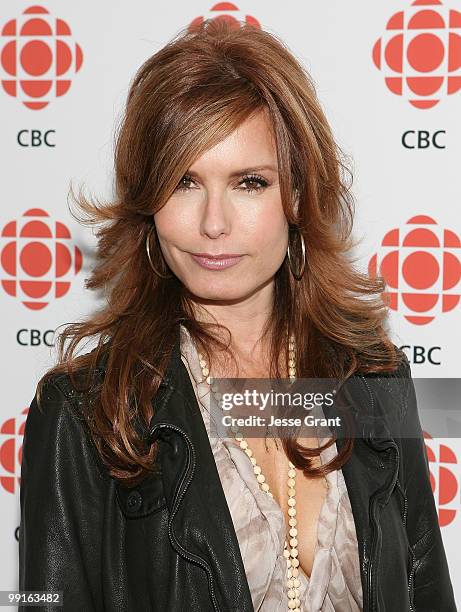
(38, 57)
(443, 465)
(38, 259)
(227, 11)
(422, 269)
(12, 434)
(420, 53)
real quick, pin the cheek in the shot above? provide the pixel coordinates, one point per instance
(172, 225)
(268, 235)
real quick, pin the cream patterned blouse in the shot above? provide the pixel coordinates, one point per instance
(259, 522)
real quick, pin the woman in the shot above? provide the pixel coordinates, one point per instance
(224, 254)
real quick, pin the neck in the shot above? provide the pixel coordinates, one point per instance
(247, 343)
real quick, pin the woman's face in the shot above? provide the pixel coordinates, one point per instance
(228, 203)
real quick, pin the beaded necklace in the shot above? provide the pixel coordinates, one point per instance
(290, 551)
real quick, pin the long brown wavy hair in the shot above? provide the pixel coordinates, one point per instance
(183, 100)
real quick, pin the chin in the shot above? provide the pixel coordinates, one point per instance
(220, 295)
(217, 292)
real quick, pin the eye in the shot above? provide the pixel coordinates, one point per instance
(259, 183)
(181, 186)
(256, 180)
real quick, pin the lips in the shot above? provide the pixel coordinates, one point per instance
(216, 262)
(222, 256)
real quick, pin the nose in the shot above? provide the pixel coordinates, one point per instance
(216, 214)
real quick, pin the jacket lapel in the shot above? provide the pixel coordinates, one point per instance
(199, 517)
(370, 473)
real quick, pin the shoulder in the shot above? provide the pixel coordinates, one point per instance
(400, 368)
(78, 381)
(403, 369)
(389, 390)
(56, 422)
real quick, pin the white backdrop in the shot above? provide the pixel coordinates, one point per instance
(388, 74)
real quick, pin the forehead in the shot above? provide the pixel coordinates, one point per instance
(251, 144)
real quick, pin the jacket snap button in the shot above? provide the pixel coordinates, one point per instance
(134, 501)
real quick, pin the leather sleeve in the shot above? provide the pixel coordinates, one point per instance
(433, 591)
(61, 505)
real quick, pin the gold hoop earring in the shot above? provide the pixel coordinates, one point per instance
(149, 257)
(297, 275)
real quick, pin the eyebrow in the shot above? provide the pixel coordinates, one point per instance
(249, 170)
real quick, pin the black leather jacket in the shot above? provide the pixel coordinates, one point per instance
(169, 544)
